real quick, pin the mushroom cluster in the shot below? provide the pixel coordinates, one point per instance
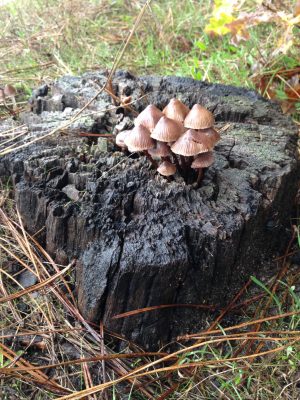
(176, 139)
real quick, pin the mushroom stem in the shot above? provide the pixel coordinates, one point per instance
(177, 162)
(184, 167)
(200, 176)
(5, 104)
(167, 158)
(183, 163)
(189, 161)
(14, 103)
(150, 159)
(189, 171)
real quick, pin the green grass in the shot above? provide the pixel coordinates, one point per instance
(269, 377)
(78, 36)
(41, 41)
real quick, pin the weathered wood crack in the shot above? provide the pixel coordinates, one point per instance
(140, 240)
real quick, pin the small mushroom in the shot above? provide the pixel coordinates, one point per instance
(160, 150)
(207, 136)
(203, 160)
(166, 168)
(186, 146)
(149, 117)
(199, 118)
(176, 110)
(167, 130)
(10, 91)
(120, 139)
(139, 140)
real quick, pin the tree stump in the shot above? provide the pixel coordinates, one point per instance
(140, 240)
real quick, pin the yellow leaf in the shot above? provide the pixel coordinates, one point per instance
(222, 15)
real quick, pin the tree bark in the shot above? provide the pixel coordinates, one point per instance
(140, 240)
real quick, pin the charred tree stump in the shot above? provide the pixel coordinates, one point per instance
(140, 240)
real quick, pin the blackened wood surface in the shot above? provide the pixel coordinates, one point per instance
(143, 241)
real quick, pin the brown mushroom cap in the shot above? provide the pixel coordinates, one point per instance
(160, 150)
(121, 137)
(139, 139)
(149, 117)
(176, 110)
(166, 168)
(9, 90)
(186, 146)
(203, 160)
(167, 130)
(208, 136)
(199, 118)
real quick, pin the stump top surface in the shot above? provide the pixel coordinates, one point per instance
(129, 225)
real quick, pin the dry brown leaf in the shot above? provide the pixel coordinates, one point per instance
(297, 8)
(182, 43)
(292, 89)
(288, 107)
(293, 93)
(239, 27)
(266, 88)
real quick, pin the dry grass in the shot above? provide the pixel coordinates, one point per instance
(72, 36)
(49, 351)
(41, 41)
